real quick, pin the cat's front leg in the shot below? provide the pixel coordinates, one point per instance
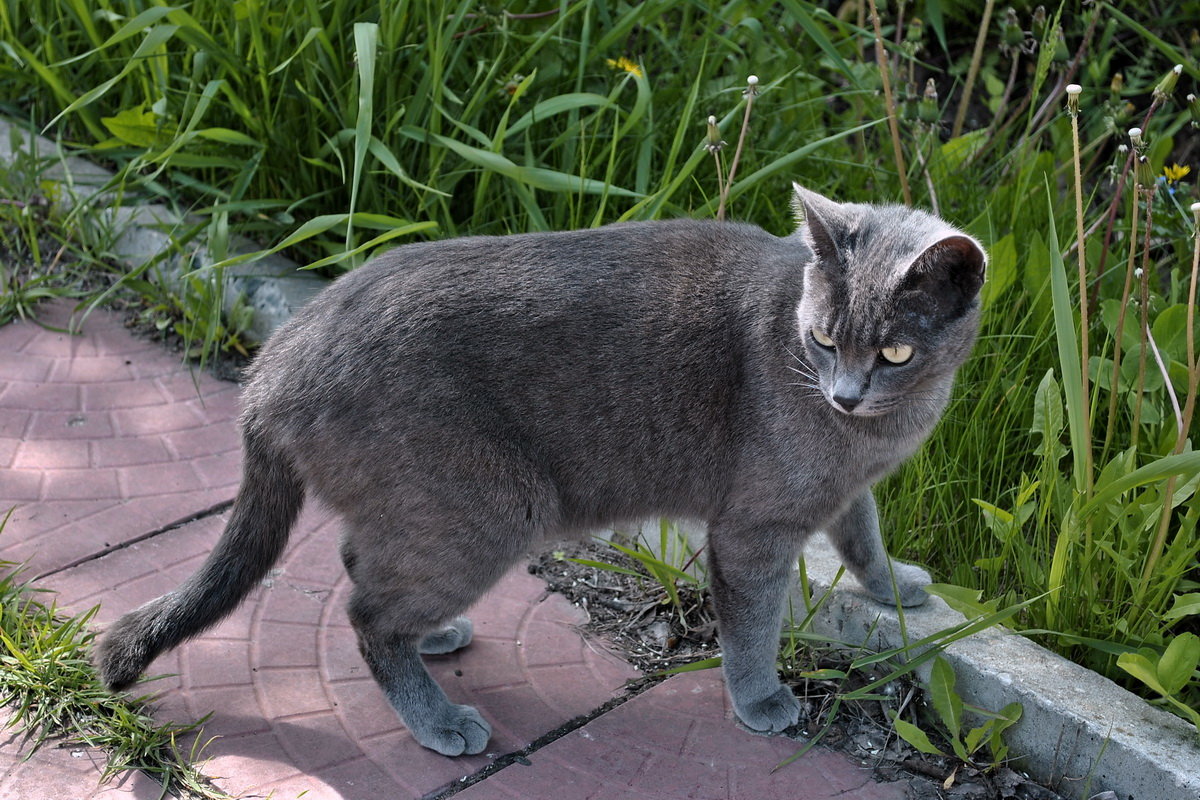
(751, 571)
(856, 536)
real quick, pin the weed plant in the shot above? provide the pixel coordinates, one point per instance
(332, 127)
(52, 692)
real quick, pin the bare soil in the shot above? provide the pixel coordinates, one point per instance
(635, 617)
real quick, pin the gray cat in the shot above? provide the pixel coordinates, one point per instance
(460, 402)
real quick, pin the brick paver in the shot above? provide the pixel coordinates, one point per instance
(64, 773)
(678, 740)
(105, 439)
(292, 701)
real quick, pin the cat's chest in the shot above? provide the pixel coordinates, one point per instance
(820, 465)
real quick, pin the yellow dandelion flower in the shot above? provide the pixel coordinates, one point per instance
(1175, 173)
(625, 64)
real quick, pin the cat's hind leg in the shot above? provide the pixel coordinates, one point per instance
(416, 564)
(857, 538)
(395, 663)
(454, 635)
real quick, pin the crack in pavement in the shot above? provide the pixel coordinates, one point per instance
(633, 689)
(219, 508)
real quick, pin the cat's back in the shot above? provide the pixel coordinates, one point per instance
(630, 338)
(611, 286)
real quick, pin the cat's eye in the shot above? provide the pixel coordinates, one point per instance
(899, 354)
(822, 338)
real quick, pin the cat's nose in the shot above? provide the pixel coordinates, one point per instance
(847, 403)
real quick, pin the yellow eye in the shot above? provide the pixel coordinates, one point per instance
(898, 354)
(822, 338)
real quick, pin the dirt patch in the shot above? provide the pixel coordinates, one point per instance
(633, 616)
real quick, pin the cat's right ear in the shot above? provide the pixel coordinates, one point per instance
(813, 214)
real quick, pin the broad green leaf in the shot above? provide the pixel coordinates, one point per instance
(975, 737)
(958, 151)
(366, 41)
(1185, 464)
(1048, 409)
(999, 521)
(1170, 332)
(1185, 605)
(1178, 662)
(916, 737)
(945, 700)
(1141, 667)
(1012, 714)
(1035, 275)
(962, 599)
(139, 127)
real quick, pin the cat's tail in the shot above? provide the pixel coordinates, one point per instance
(266, 507)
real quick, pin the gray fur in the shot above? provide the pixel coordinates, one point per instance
(460, 402)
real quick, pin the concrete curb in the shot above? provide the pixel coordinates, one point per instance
(1079, 732)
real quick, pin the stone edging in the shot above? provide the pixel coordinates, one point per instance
(1079, 732)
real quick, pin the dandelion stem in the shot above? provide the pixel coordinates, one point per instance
(1193, 365)
(1084, 321)
(1125, 292)
(751, 91)
(890, 102)
(1183, 421)
(972, 71)
(1144, 296)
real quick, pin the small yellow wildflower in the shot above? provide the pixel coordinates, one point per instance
(1175, 173)
(624, 63)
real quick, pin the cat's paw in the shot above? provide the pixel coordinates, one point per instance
(911, 581)
(452, 730)
(452, 636)
(772, 714)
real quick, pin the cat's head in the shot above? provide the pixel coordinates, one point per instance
(890, 306)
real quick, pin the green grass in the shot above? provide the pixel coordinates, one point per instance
(52, 694)
(336, 128)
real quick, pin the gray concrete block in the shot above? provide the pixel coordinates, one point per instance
(273, 286)
(1079, 732)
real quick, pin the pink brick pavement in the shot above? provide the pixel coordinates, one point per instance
(105, 440)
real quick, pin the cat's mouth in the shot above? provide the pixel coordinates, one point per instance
(860, 407)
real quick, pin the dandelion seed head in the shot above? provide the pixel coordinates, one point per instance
(1074, 88)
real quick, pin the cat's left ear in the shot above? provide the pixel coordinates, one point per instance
(816, 215)
(950, 272)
